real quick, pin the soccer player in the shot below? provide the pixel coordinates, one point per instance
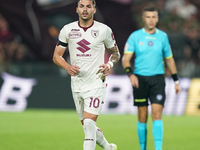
(148, 46)
(86, 40)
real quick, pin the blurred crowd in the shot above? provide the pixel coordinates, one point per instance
(12, 49)
(178, 18)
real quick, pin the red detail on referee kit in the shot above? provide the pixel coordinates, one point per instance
(57, 44)
(83, 46)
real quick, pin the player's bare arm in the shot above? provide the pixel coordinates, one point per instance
(126, 65)
(172, 68)
(115, 55)
(114, 58)
(60, 61)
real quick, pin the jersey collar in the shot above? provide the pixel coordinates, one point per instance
(143, 29)
(85, 28)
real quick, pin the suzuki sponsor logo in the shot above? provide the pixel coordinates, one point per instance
(83, 46)
(83, 55)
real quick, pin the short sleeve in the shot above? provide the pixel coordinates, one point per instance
(109, 39)
(63, 39)
(129, 45)
(166, 47)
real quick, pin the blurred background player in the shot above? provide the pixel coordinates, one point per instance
(86, 40)
(149, 45)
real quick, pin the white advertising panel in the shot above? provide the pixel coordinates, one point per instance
(119, 97)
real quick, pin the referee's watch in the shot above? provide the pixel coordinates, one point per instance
(175, 78)
(129, 71)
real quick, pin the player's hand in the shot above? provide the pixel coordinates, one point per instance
(105, 69)
(134, 81)
(72, 70)
(177, 88)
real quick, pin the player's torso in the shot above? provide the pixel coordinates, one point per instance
(85, 46)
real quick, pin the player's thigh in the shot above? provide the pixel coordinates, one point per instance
(79, 104)
(94, 100)
(141, 93)
(157, 90)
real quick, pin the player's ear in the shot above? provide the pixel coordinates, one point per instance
(143, 19)
(143, 15)
(157, 17)
(95, 10)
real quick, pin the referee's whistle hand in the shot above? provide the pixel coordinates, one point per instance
(177, 88)
(134, 81)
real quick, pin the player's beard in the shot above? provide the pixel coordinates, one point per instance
(150, 28)
(85, 19)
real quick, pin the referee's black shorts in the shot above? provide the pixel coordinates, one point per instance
(150, 88)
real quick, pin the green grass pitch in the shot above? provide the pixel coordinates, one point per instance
(38, 129)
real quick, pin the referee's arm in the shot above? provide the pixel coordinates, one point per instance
(126, 59)
(171, 65)
(172, 68)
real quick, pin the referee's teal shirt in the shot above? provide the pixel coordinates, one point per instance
(149, 49)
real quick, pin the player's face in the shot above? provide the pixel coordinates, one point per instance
(150, 19)
(86, 10)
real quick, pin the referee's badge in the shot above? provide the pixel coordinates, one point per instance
(95, 33)
(150, 43)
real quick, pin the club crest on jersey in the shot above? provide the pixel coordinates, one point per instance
(95, 33)
(74, 35)
(150, 43)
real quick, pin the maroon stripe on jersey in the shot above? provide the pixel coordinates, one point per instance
(85, 28)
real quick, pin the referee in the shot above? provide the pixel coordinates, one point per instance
(149, 46)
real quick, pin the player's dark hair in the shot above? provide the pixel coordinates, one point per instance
(149, 8)
(94, 2)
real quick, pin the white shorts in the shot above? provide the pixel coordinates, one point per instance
(90, 101)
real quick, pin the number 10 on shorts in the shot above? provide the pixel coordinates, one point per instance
(94, 102)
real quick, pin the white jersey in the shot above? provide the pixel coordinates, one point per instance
(87, 49)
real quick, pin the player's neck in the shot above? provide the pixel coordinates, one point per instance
(85, 27)
(86, 24)
(150, 31)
